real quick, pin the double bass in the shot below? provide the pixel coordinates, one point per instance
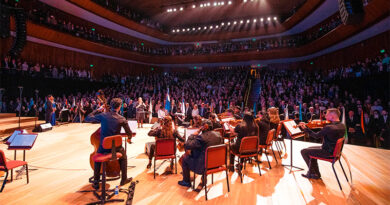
(113, 168)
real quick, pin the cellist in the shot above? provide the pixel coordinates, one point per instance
(111, 124)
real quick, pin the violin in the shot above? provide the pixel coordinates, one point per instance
(317, 124)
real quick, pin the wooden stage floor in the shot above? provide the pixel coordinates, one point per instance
(59, 164)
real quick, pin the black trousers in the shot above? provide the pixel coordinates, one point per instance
(122, 164)
(316, 151)
(151, 151)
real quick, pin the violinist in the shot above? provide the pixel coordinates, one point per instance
(111, 124)
(197, 144)
(165, 131)
(330, 134)
(213, 118)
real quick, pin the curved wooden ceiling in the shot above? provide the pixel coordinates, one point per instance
(301, 14)
(157, 10)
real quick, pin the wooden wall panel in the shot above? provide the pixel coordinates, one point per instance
(303, 12)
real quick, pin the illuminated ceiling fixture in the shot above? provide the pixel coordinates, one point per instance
(275, 18)
(215, 3)
(269, 18)
(188, 29)
(208, 4)
(247, 21)
(193, 6)
(245, 1)
(199, 28)
(261, 19)
(178, 30)
(201, 6)
(235, 22)
(254, 20)
(184, 30)
(216, 26)
(229, 23)
(222, 24)
(241, 22)
(211, 27)
(174, 10)
(193, 29)
(205, 28)
(222, 3)
(181, 8)
(229, 2)
(173, 31)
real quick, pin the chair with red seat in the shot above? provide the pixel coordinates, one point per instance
(110, 142)
(248, 149)
(334, 158)
(165, 149)
(268, 144)
(10, 165)
(215, 161)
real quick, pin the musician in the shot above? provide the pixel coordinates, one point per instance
(264, 127)
(197, 121)
(140, 112)
(198, 144)
(274, 118)
(213, 118)
(111, 124)
(166, 131)
(247, 127)
(330, 134)
(311, 115)
(237, 113)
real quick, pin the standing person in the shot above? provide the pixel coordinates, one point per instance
(111, 124)
(49, 109)
(140, 112)
(330, 134)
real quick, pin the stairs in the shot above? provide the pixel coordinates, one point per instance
(254, 94)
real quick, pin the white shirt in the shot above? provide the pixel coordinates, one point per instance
(195, 112)
(160, 114)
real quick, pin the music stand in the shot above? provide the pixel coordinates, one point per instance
(294, 133)
(20, 103)
(133, 128)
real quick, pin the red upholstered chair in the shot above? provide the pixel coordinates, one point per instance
(108, 143)
(165, 149)
(10, 165)
(334, 158)
(248, 149)
(215, 161)
(268, 144)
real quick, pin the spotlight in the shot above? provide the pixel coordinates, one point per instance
(269, 18)
(216, 26)
(205, 27)
(229, 2)
(184, 30)
(247, 21)
(241, 22)
(254, 20)
(208, 4)
(222, 3)
(201, 5)
(245, 1)
(261, 19)
(235, 22)
(229, 23)
(211, 27)
(168, 10)
(174, 9)
(275, 18)
(181, 8)
(188, 29)
(178, 30)
(199, 28)
(173, 31)
(215, 3)
(193, 6)
(193, 29)
(222, 24)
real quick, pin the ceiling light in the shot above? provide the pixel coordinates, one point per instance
(254, 20)
(216, 26)
(174, 9)
(193, 29)
(211, 27)
(168, 10)
(247, 21)
(215, 3)
(208, 4)
(235, 22)
(245, 1)
(178, 30)
(184, 30)
(223, 3)
(269, 18)
(201, 5)
(241, 21)
(261, 19)
(181, 8)
(199, 28)
(229, 23)
(275, 18)
(188, 29)
(193, 6)
(205, 28)
(222, 23)
(173, 31)
(229, 2)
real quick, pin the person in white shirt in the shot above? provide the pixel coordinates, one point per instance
(161, 112)
(195, 111)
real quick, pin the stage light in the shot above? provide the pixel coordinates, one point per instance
(275, 18)
(173, 31)
(91, 65)
(261, 19)
(205, 27)
(193, 29)
(168, 10)
(229, 2)
(193, 6)
(211, 27)
(201, 6)
(222, 24)
(178, 30)
(383, 51)
(245, 1)
(181, 8)
(235, 22)
(229, 23)
(199, 28)
(188, 29)
(215, 3)
(241, 22)
(216, 26)
(254, 20)
(174, 10)
(269, 18)
(247, 21)
(184, 30)
(208, 4)
(222, 3)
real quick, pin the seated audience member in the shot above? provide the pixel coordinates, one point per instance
(246, 128)
(197, 144)
(165, 131)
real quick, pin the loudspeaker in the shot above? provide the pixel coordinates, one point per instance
(4, 21)
(43, 127)
(351, 11)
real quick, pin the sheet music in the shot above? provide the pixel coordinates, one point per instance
(133, 126)
(23, 141)
(292, 127)
(227, 119)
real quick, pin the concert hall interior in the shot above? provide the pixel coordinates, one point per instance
(194, 101)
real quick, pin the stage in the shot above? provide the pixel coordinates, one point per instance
(59, 172)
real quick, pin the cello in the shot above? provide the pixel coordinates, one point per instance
(113, 168)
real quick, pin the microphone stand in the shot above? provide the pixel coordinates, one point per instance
(20, 102)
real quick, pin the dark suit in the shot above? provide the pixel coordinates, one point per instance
(242, 131)
(49, 111)
(111, 124)
(264, 128)
(188, 114)
(220, 109)
(351, 123)
(198, 144)
(330, 134)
